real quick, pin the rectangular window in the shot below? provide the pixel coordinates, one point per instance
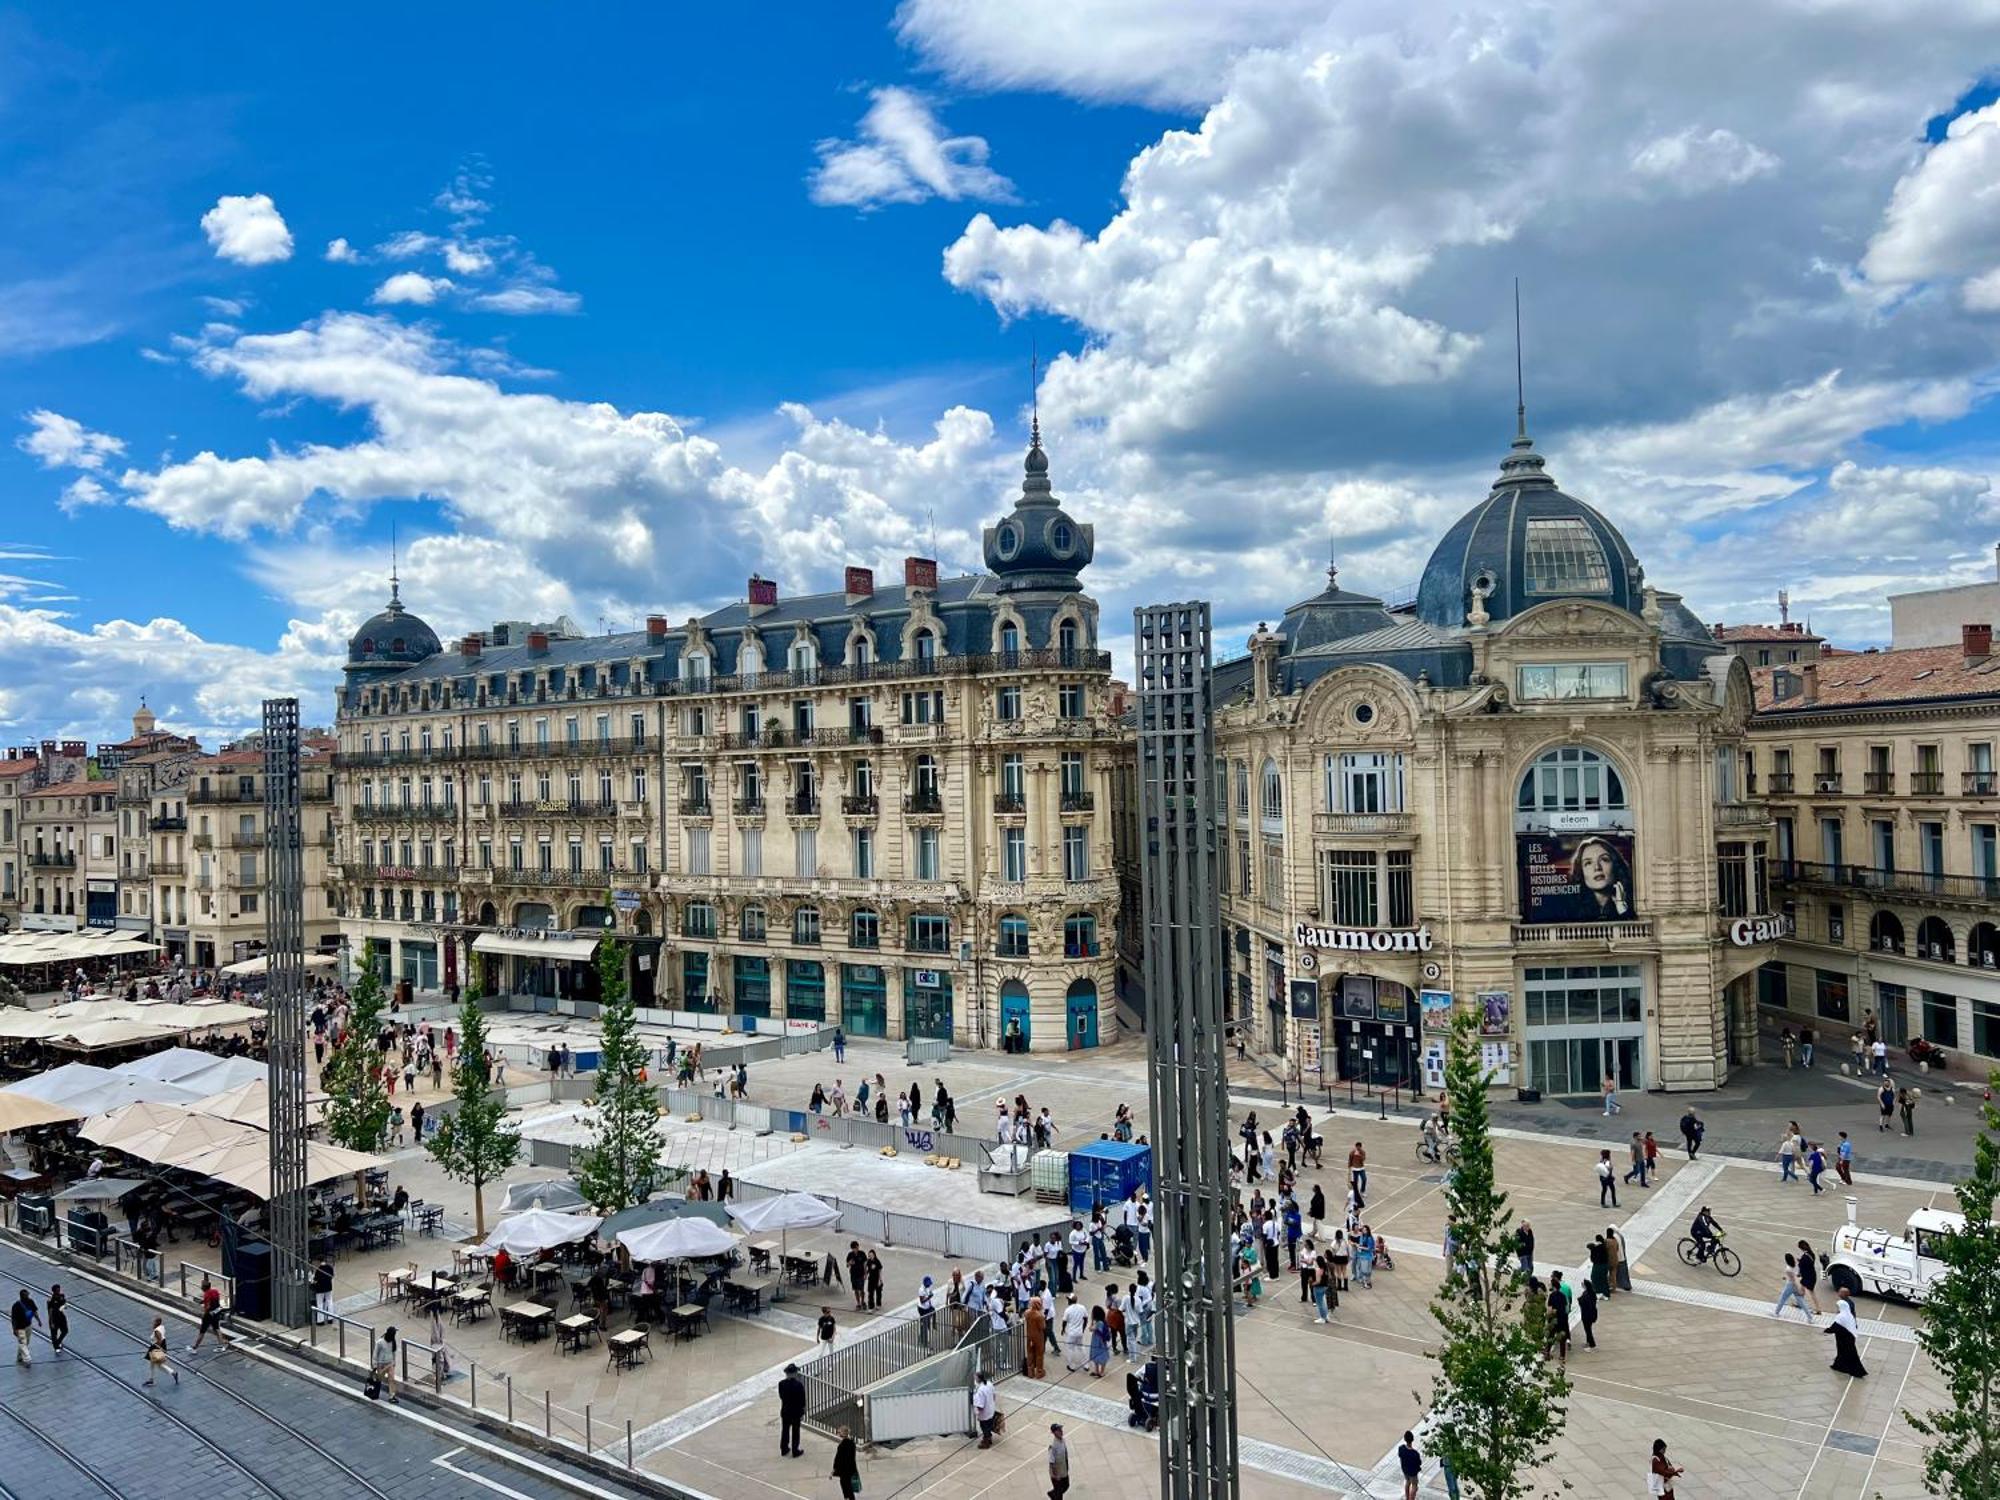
(805, 852)
(752, 926)
(605, 859)
(1830, 995)
(638, 785)
(923, 707)
(1273, 874)
(751, 842)
(925, 850)
(1069, 700)
(1832, 843)
(699, 920)
(698, 852)
(1243, 865)
(1985, 851)
(1930, 842)
(864, 930)
(1076, 852)
(1836, 922)
(930, 933)
(1402, 888)
(864, 853)
(1014, 781)
(1014, 855)
(1986, 1028)
(1348, 895)
(1364, 783)
(1732, 879)
(1007, 704)
(576, 856)
(640, 862)
(1549, 682)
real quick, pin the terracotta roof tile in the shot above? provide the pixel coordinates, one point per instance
(19, 767)
(1731, 633)
(1864, 677)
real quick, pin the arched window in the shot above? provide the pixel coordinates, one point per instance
(924, 645)
(1934, 940)
(1010, 639)
(367, 645)
(1982, 946)
(1271, 799)
(804, 657)
(1066, 642)
(1885, 932)
(694, 666)
(396, 645)
(1079, 935)
(1571, 779)
(1013, 941)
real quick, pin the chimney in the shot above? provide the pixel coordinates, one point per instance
(763, 595)
(656, 628)
(469, 647)
(920, 573)
(1809, 675)
(1978, 642)
(538, 643)
(860, 585)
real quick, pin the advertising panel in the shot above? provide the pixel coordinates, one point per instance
(1437, 1011)
(1576, 877)
(1495, 1012)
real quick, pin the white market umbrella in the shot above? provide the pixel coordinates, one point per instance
(678, 1239)
(537, 1229)
(20, 1111)
(784, 1213)
(555, 1194)
(171, 1065)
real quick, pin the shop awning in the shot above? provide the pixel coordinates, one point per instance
(261, 964)
(577, 949)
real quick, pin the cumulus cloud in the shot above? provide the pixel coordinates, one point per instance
(248, 230)
(1694, 161)
(1943, 221)
(1899, 506)
(60, 442)
(83, 492)
(412, 288)
(466, 260)
(341, 253)
(904, 156)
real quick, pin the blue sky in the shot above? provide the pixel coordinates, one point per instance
(756, 288)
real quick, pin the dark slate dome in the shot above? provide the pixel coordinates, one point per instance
(1334, 614)
(1038, 546)
(394, 638)
(1527, 543)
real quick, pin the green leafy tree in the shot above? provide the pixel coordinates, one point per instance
(474, 1143)
(1961, 1334)
(622, 1163)
(1497, 1405)
(358, 1108)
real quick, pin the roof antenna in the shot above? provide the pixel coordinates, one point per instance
(1034, 393)
(1520, 389)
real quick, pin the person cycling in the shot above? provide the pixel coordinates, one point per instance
(1431, 1137)
(1706, 1233)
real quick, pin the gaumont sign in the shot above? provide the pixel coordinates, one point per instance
(1364, 939)
(1747, 932)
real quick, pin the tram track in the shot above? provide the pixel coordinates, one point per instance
(89, 1471)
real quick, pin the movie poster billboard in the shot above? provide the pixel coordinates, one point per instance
(1437, 1011)
(1576, 877)
(1305, 1000)
(1495, 1012)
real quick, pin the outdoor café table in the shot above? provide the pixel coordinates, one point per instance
(748, 1294)
(395, 1283)
(467, 1301)
(688, 1320)
(760, 1254)
(625, 1348)
(802, 1270)
(528, 1319)
(572, 1331)
(430, 1218)
(546, 1273)
(472, 1260)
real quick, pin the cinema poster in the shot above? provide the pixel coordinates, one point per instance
(1576, 877)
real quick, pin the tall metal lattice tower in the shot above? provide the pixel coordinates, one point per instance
(1184, 1030)
(285, 1000)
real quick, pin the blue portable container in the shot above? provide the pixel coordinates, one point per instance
(1105, 1173)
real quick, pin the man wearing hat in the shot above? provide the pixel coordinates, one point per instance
(1058, 1462)
(791, 1412)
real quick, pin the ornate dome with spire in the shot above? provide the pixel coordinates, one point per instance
(1525, 544)
(394, 638)
(1038, 545)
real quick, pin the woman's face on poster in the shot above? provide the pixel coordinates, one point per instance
(1595, 867)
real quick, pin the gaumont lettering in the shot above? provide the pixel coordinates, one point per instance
(1364, 939)
(1746, 931)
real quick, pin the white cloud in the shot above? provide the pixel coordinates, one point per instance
(461, 199)
(226, 307)
(524, 298)
(411, 287)
(1944, 220)
(341, 253)
(81, 493)
(60, 442)
(407, 245)
(904, 156)
(248, 230)
(1694, 161)
(1898, 507)
(466, 260)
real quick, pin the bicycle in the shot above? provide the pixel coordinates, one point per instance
(1445, 1155)
(1721, 1256)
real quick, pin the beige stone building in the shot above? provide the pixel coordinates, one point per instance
(1517, 795)
(17, 774)
(1878, 769)
(223, 890)
(69, 854)
(884, 807)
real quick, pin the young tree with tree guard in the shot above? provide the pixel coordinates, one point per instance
(474, 1143)
(1497, 1405)
(358, 1108)
(622, 1163)
(1961, 1334)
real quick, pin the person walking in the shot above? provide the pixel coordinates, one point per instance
(58, 1318)
(1058, 1462)
(874, 1281)
(1357, 1169)
(1558, 1322)
(1807, 1036)
(1621, 1268)
(857, 1274)
(1637, 1170)
(1815, 1166)
(1791, 1291)
(211, 1317)
(1843, 1159)
(1885, 1104)
(1586, 1311)
(1100, 1342)
(156, 1353)
(1599, 1255)
(1846, 1351)
(1411, 1462)
(839, 1046)
(1144, 1301)
(791, 1412)
(1660, 1473)
(24, 1315)
(1906, 1101)
(1692, 1131)
(1790, 1044)
(1611, 1104)
(1322, 1288)
(823, 1330)
(847, 1465)
(1607, 1181)
(1075, 1320)
(985, 1406)
(1878, 1052)
(1787, 1157)
(1858, 1048)
(1809, 1275)
(1524, 1247)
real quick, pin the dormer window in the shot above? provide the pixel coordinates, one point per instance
(926, 646)
(1062, 536)
(1565, 557)
(367, 645)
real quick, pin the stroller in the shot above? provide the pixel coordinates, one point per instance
(1124, 1246)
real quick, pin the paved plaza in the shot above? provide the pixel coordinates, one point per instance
(1745, 1400)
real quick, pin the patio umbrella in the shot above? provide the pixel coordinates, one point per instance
(19, 1111)
(250, 1104)
(556, 1194)
(99, 1190)
(246, 1163)
(677, 1239)
(784, 1213)
(171, 1065)
(537, 1229)
(656, 1209)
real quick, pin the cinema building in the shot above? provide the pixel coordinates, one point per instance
(1516, 794)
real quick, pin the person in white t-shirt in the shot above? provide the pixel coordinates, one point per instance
(1076, 1318)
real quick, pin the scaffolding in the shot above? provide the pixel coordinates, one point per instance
(285, 1002)
(1184, 1031)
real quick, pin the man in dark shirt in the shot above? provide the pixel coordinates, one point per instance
(791, 1412)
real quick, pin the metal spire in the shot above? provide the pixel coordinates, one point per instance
(1520, 388)
(395, 585)
(1034, 393)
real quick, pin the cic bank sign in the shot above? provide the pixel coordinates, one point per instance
(1364, 939)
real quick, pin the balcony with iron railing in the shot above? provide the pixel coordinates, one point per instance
(1780, 783)
(203, 841)
(169, 869)
(1826, 783)
(560, 808)
(974, 665)
(1078, 801)
(56, 859)
(406, 812)
(1878, 783)
(694, 807)
(749, 807)
(860, 805)
(780, 737)
(1979, 783)
(362, 871)
(803, 805)
(203, 796)
(168, 823)
(1010, 802)
(923, 802)
(1926, 783)
(581, 748)
(1981, 889)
